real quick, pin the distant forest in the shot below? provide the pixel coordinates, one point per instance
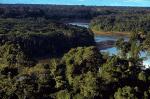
(120, 19)
(121, 23)
(63, 12)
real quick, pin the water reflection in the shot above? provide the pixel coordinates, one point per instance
(86, 25)
(114, 51)
(99, 38)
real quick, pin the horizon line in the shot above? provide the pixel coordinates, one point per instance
(72, 5)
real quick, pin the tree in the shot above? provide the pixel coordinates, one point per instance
(82, 60)
(135, 49)
(142, 76)
(114, 69)
(82, 65)
(63, 94)
(123, 46)
(126, 92)
(90, 85)
(12, 55)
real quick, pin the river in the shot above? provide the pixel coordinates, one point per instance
(112, 50)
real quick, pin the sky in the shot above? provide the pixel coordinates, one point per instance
(142, 3)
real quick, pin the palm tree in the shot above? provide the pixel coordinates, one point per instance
(135, 50)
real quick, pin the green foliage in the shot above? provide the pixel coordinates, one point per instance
(83, 72)
(63, 12)
(147, 94)
(81, 60)
(89, 86)
(121, 23)
(63, 95)
(78, 96)
(142, 76)
(58, 72)
(123, 46)
(135, 50)
(82, 65)
(114, 70)
(41, 37)
(146, 43)
(12, 54)
(126, 92)
(7, 87)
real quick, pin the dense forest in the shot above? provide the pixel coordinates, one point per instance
(42, 37)
(74, 67)
(121, 23)
(65, 12)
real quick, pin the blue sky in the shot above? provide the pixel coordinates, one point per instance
(144, 3)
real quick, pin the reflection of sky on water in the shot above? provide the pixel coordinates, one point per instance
(144, 55)
(111, 51)
(99, 38)
(86, 25)
(147, 60)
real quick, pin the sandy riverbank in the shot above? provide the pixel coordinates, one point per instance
(111, 33)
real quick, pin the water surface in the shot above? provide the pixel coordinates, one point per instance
(86, 25)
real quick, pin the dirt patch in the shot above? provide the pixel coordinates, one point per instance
(113, 33)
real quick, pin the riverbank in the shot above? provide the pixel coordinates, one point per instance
(111, 33)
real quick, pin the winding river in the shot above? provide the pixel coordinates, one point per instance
(112, 50)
